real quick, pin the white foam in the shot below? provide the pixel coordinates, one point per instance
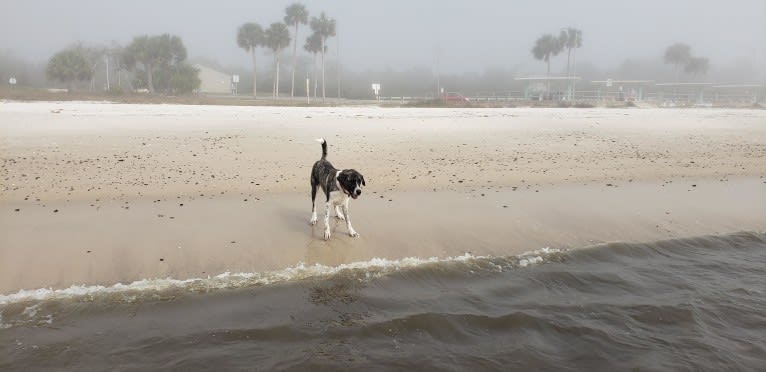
(3, 325)
(536, 257)
(31, 311)
(372, 268)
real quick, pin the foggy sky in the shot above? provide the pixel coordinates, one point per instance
(469, 35)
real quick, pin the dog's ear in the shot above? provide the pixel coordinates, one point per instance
(342, 177)
(363, 184)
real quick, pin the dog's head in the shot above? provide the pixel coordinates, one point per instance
(351, 182)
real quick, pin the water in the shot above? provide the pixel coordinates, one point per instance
(686, 304)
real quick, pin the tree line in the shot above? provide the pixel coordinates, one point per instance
(548, 46)
(680, 55)
(158, 62)
(570, 39)
(251, 36)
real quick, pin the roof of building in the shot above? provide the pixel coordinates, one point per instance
(735, 86)
(622, 81)
(684, 84)
(546, 78)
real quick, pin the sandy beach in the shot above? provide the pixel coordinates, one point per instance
(99, 193)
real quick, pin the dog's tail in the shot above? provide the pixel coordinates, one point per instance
(324, 147)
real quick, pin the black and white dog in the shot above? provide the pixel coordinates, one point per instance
(338, 186)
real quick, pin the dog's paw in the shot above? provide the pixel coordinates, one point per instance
(313, 220)
(353, 234)
(327, 234)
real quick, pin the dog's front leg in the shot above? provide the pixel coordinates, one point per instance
(313, 220)
(338, 213)
(351, 230)
(327, 221)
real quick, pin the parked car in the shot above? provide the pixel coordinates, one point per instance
(453, 97)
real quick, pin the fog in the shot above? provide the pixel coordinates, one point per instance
(464, 36)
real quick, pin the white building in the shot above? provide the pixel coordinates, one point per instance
(213, 81)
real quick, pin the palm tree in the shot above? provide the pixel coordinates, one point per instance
(325, 28)
(296, 15)
(678, 54)
(545, 47)
(277, 38)
(249, 37)
(314, 46)
(697, 66)
(572, 40)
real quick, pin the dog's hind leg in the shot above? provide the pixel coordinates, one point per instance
(338, 213)
(313, 220)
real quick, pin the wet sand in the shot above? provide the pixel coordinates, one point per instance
(97, 193)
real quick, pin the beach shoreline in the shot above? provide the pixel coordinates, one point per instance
(122, 242)
(117, 193)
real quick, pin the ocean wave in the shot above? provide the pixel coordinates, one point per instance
(169, 287)
(590, 308)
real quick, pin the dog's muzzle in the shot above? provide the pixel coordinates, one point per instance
(356, 193)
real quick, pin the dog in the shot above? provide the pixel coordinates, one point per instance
(339, 187)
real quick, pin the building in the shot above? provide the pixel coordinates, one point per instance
(213, 81)
(733, 94)
(682, 93)
(555, 88)
(621, 90)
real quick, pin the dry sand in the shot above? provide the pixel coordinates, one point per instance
(98, 193)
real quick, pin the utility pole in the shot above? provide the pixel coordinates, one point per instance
(438, 82)
(338, 52)
(107, 71)
(574, 64)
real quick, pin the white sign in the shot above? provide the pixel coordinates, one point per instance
(376, 88)
(235, 79)
(12, 80)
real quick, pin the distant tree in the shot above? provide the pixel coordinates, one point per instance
(697, 66)
(545, 47)
(69, 66)
(177, 79)
(184, 79)
(570, 39)
(95, 56)
(153, 53)
(325, 28)
(314, 46)
(678, 55)
(116, 63)
(249, 37)
(277, 38)
(296, 14)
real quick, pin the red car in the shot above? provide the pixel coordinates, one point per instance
(454, 98)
